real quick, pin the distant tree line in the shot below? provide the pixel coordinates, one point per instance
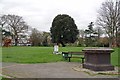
(64, 31)
(108, 22)
(15, 28)
(93, 37)
(38, 38)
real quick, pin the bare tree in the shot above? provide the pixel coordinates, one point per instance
(36, 37)
(15, 24)
(81, 37)
(46, 36)
(98, 32)
(109, 19)
(81, 33)
(2, 20)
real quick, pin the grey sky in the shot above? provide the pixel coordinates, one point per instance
(40, 13)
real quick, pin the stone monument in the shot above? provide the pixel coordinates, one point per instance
(55, 49)
(98, 59)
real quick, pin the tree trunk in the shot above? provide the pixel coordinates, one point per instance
(63, 45)
(16, 41)
(111, 42)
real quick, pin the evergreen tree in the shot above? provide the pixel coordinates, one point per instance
(63, 30)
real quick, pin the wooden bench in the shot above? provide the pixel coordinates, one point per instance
(69, 55)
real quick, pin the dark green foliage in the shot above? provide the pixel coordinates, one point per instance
(63, 30)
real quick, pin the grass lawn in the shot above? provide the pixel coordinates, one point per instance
(115, 57)
(33, 54)
(42, 54)
(29, 55)
(0, 77)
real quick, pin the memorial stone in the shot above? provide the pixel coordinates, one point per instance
(98, 59)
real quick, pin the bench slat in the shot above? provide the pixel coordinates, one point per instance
(77, 53)
(75, 56)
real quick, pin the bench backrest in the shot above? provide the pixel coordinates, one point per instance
(76, 53)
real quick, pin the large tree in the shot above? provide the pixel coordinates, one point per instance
(63, 30)
(109, 19)
(15, 24)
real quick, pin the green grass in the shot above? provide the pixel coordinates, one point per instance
(33, 54)
(5, 78)
(115, 56)
(29, 55)
(43, 54)
(0, 77)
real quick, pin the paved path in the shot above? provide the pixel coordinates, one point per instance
(47, 70)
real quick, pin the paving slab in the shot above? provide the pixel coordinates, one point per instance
(47, 70)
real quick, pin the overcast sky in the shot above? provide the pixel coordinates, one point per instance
(40, 13)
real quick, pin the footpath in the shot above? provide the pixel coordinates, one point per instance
(49, 70)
